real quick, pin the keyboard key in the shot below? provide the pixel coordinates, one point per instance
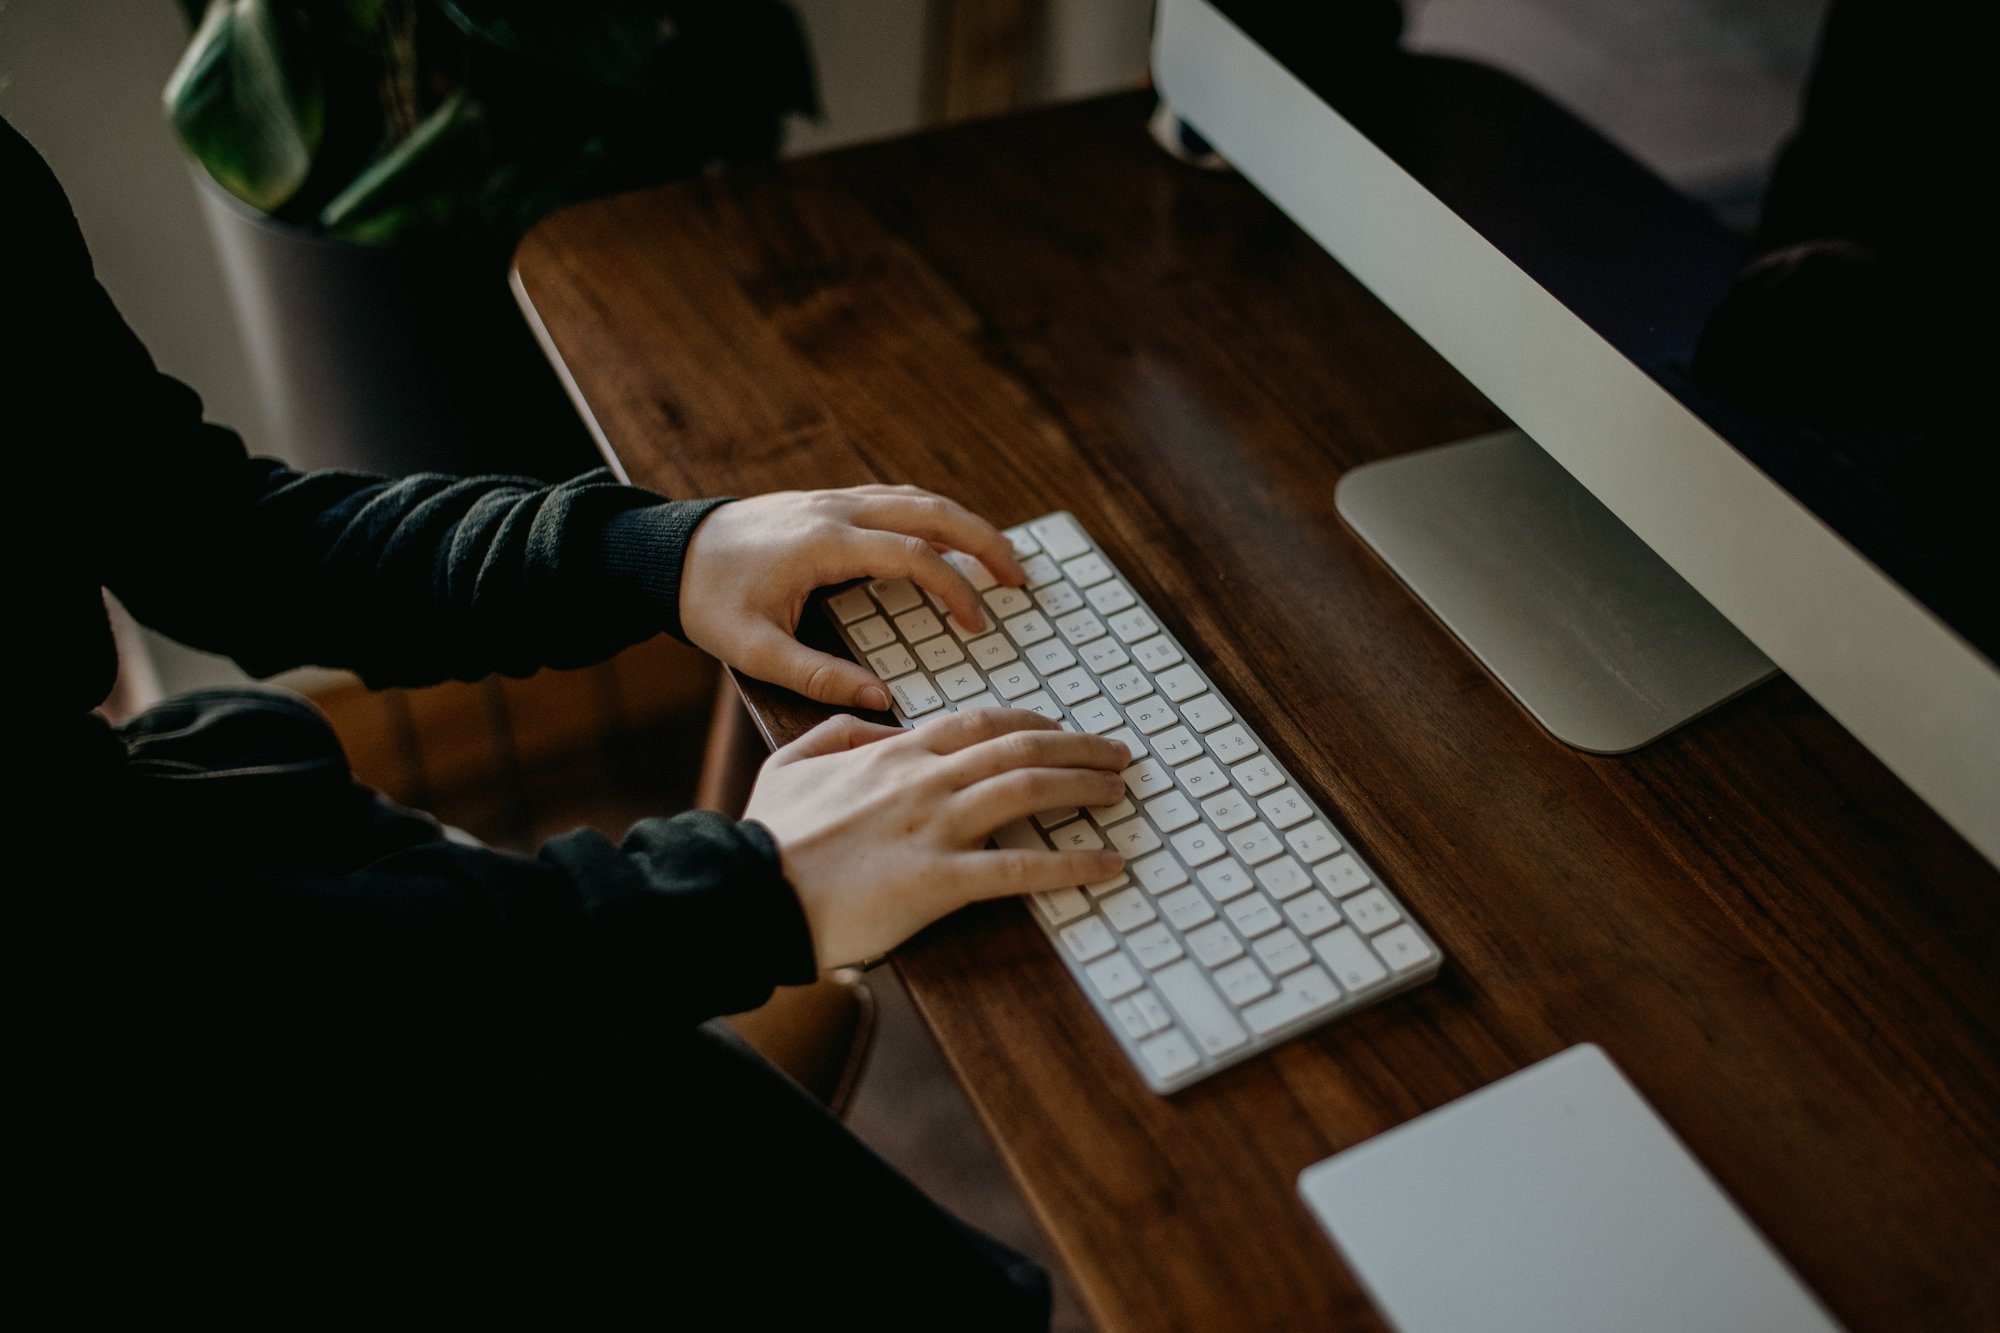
(896, 595)
(1208, 1020)
(1213, 945)
(1182, 682)
(1154, 946)
(983, 699)
(1202, 777)
(1150, 714)
(1256, 843)
(1134, 625)
(850, 606)
(1059, 599)
(1128, 909)
(1013, 680)
(915, 695)
(1148, 778)
(1285, 808)
(895, 660)
(870, 634)
(1206, 713)
(1258, 775)
(1156, 654)
(918, 625)
(1111, 814)
(1104, 886)
(1019, 835)
(1097, 716)
(975, 571)
(1303, 993)
(1088, 939)
(1372, 911)
(1127, 685)
(992, 651)
(1169, 1055)
(1170, 812)
(1073, 686)
(1312, 913)
(1133, 838)
(1050, 656)
(1110, 598)
(1103, 655)
(1086, 570)
(1039, 569)
(1225, 879)
(1283, 877)
(1057, 817)
(1349, 958)
(1281, 952)
(1404, 949)
(939, 653)
(1080, 627)
(1130, 739)
(1040, 702)
(1341, 875)
(1243, 982)
(1059, 537)
(1060, 905)
(1232, 744)
(1252, 915)
(1177, 745)
(1229, 810)
(1006, 602)
(1198, 845)
(1031, 628)
(1132, 1018)
(1024, 541)
(1186, 908)
(1151, 1009)
(1313, 842)
(960, 683)
(1160, 873)
(965, 633)
(1114, 976)
(1081, 836)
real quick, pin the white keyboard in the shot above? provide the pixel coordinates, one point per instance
(1243, 917)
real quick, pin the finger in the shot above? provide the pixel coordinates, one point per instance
(984, 806)
(955, 731)
(836, 734)
(995, 874)
(1033, 749)
(947, 522)
(771, 654)
(895, 555)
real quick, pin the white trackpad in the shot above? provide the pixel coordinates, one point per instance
(1554, 1200)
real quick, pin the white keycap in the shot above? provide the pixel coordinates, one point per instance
(1081, 836)
(965, 633)
(1252, 915)
(1156, 654)
(1283, 877)
(1202, 778)
(1087, 570)
(870, 634)
(1024, 541)
(1229, 810)
(992, 651)
(1148, 778)
(1152, 1010)
(983, 699)
(1311, 913)
(1208, 1020)
(1183, 682)
(1341, 875)
(918, 625)
(1134, 625)
(975, 570)
(896, 595)
(1213, 945)
(1282, 952)
(1160, 873)
(1154, 946)
(1133, 838)
(1404, 949)
(1059, 537)
(1206, 713)
(1133, 1019)
(1079, 627)
(1134, 744)
(939, 653)
(1372, 911)
(915, 695)
(1198, 845)
(1040, 702)
(1005, 602)
(1040, 570)
(1050, 656)
(1258, 775)
(1302, 993)
(895, 660)
(1256, 843)
(1073, 686)
(1110, 598)
(1150, 714)
(1243, 982)
(1225, 879)
(1104, 655)
(1285, 808)
(850, 606)
(1057, 817)
(1059, 599)
(1186, 908)
(1169, 1055)
(1127, 685)
(1177, 745)
(1012, 680)
(1128, 909)
(1097, 716)
(1232, 744)
(1060, 905)
(1349, 958)
(1088, 939)
(1104, 886)
(1020, 835)
(1031, 628)
(1313, 842)
(1114, 976)
(960, 683)
(1170, 812)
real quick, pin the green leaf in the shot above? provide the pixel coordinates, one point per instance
(425, 182)
(247, 102)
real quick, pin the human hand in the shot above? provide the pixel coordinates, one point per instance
(882, 830)
(752, 563)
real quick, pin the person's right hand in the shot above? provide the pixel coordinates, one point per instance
(882, 830)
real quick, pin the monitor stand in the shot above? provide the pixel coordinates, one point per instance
(1596, 636)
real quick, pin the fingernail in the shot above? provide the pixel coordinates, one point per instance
(1109, 861)
(875, 697)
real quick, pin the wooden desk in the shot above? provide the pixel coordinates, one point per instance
(1790, 956)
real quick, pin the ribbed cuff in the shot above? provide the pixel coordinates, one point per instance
(644, 548)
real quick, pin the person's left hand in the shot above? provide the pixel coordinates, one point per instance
(752, 563)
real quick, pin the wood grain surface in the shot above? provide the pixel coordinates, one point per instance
(1788, 953)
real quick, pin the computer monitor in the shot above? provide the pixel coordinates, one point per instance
(1621, 563)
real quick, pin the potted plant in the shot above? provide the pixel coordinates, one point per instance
(367, 166)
